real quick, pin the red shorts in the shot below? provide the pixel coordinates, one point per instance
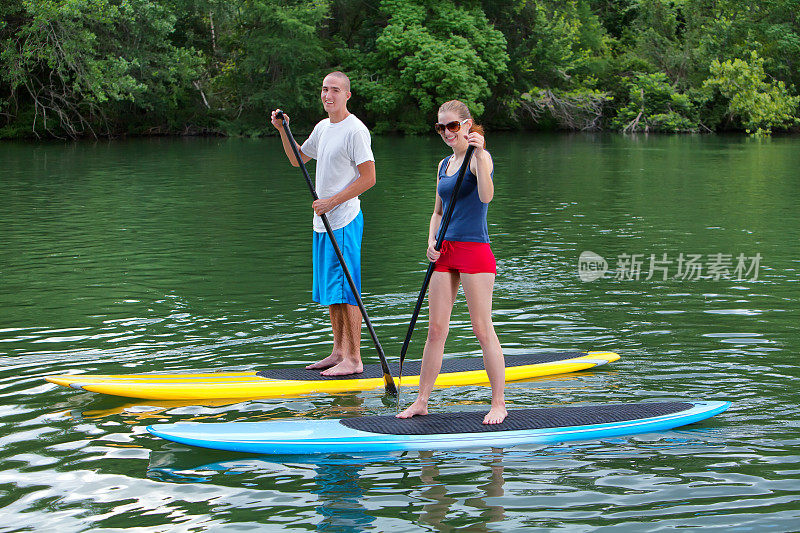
(466, 257)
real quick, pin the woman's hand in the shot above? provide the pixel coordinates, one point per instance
(476, 139)
(432, 253)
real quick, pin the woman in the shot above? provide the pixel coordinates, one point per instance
(465, 258)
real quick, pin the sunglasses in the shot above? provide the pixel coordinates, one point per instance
(451, 126)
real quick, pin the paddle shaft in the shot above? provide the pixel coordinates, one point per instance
(442, 231)
(387, 375)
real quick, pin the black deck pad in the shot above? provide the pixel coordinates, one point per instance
(518, 419)
(411, 368)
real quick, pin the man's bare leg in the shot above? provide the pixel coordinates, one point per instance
(337, 355)
(350, 341)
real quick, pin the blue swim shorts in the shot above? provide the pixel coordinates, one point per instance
(330, 284)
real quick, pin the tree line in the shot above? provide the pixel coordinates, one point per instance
(105, 68)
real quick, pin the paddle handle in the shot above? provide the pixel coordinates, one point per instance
(440, 238)
(387, 375)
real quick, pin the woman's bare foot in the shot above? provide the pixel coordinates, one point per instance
(495, 415)
(331, 360)
(344, 368)
(416, 408)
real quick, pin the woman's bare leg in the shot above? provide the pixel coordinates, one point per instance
(478, 290)
(441, 297)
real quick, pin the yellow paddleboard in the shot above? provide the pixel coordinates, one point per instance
(296, 381)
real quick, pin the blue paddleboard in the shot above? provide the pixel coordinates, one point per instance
(441, 431)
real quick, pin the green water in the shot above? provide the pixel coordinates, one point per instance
(173, 255)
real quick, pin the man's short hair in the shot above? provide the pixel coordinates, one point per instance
(341, 76)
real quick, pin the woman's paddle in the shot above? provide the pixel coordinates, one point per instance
(442, 231)
(387, 375)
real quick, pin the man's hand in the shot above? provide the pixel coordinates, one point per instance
(323, 205)
(278, 123)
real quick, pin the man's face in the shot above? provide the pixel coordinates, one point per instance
(334, 94)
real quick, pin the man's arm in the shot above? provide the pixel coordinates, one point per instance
(287, 147)
(364, 182)
(287, 144)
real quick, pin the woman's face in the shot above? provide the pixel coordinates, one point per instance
(454, 138)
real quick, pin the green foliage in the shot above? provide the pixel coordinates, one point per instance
(269, 56)
(74, 68)
(656, 38)
(429, 52)
(81, 65)
(655, 105)
(558, 51)
(554, 45)
(683, 39)
(732, 29)
(761, 105)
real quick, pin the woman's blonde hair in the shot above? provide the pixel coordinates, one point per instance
(460, 108)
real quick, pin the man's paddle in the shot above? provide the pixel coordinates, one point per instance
(387, 375)
(442, 231)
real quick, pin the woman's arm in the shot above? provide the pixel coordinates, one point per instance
(436, 219)
(482, 166)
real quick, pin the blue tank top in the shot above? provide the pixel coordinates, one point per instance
(469, 216)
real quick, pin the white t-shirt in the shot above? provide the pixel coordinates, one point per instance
(338, 148)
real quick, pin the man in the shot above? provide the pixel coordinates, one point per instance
(345, 169)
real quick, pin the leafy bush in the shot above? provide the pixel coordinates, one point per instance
(761, 105)
(655, 105)
(83, 65)
(429, 52)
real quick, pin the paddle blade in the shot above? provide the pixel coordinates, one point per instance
(390, 386)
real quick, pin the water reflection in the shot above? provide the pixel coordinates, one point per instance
(142, 411)
(507, 489)
(335, 480)
(340, 498)
(442, 497)
(343, 483)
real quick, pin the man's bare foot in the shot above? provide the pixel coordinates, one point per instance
(416, 408)
(344, 368)
(495, 415)
(331, 360)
